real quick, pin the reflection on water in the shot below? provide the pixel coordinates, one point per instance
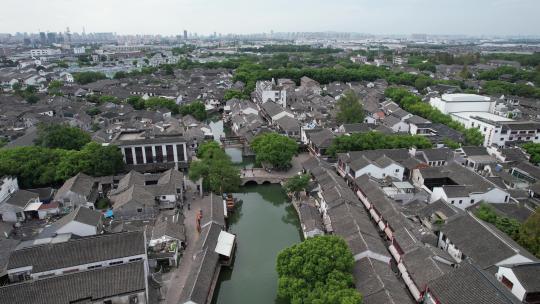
(265, 224)
(218, 129)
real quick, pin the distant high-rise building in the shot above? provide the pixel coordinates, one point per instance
(51, 37)
(185, 34)
(42, 37)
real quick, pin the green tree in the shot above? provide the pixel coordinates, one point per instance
(195, 109)
(317, 271)
(98, 160)
(529, 234)
(215, 168)
(17, 86)
(275, 149)
(61, 136)
(55, 84)
(297, 183)
(32, 98)
(62, 64)
(36, 166)
(465, 74)
(376, 140)
(473, 137)
(93, 111)
(168, 69)
(533, 149)
(230, 94)
(88, 77)
(350, 108)
(120, 75)
(136, 101)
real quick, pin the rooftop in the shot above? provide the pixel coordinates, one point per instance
(460, 97)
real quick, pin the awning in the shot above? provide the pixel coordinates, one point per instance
(32, 207)
(225, 243)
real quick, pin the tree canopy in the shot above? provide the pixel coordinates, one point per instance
(350, 108)
(61, 136)
(376, 140)
(88, 77)
(215, 168)
(36, 166)
(275, 149)
(533, 149)
(529, 234)
(317, 271)
(195, 109)
(297, 183)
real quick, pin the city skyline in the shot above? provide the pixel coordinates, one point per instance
(387, 17)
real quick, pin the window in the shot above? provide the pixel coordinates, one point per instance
(170, 153)
(138, 155)
(485, 129)
(452, 202)
(159, 154)
(94, 266)
(139, 209)
(506, 282)
(115, 263)
(460, 201)
(129, 156)
(149, 154)
(397, 170)
(180, 153)
(136, 259)
(472, 201)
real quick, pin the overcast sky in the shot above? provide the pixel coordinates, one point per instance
(171, 17)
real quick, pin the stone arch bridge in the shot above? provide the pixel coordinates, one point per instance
(259, 176)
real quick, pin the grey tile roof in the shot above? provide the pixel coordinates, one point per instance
(482, 243)
(470, 285)
(528, 275)
(460, 175)
(21, 198)
(171, 225)
(80, 287)
(322, 138)
(287, 123)
(436, 154)
(6, 247)
(80, 214)
(78, 251)
(378, 283)
(422, 265)
(80, 184)
(203, 268)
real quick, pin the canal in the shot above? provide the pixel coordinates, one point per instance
(265, 223)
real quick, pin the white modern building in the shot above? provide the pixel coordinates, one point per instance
(44, 52)
(498, 130)
(452, 103)
(268, 91)
(79, 50)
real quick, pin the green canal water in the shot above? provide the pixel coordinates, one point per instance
(265, 223)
